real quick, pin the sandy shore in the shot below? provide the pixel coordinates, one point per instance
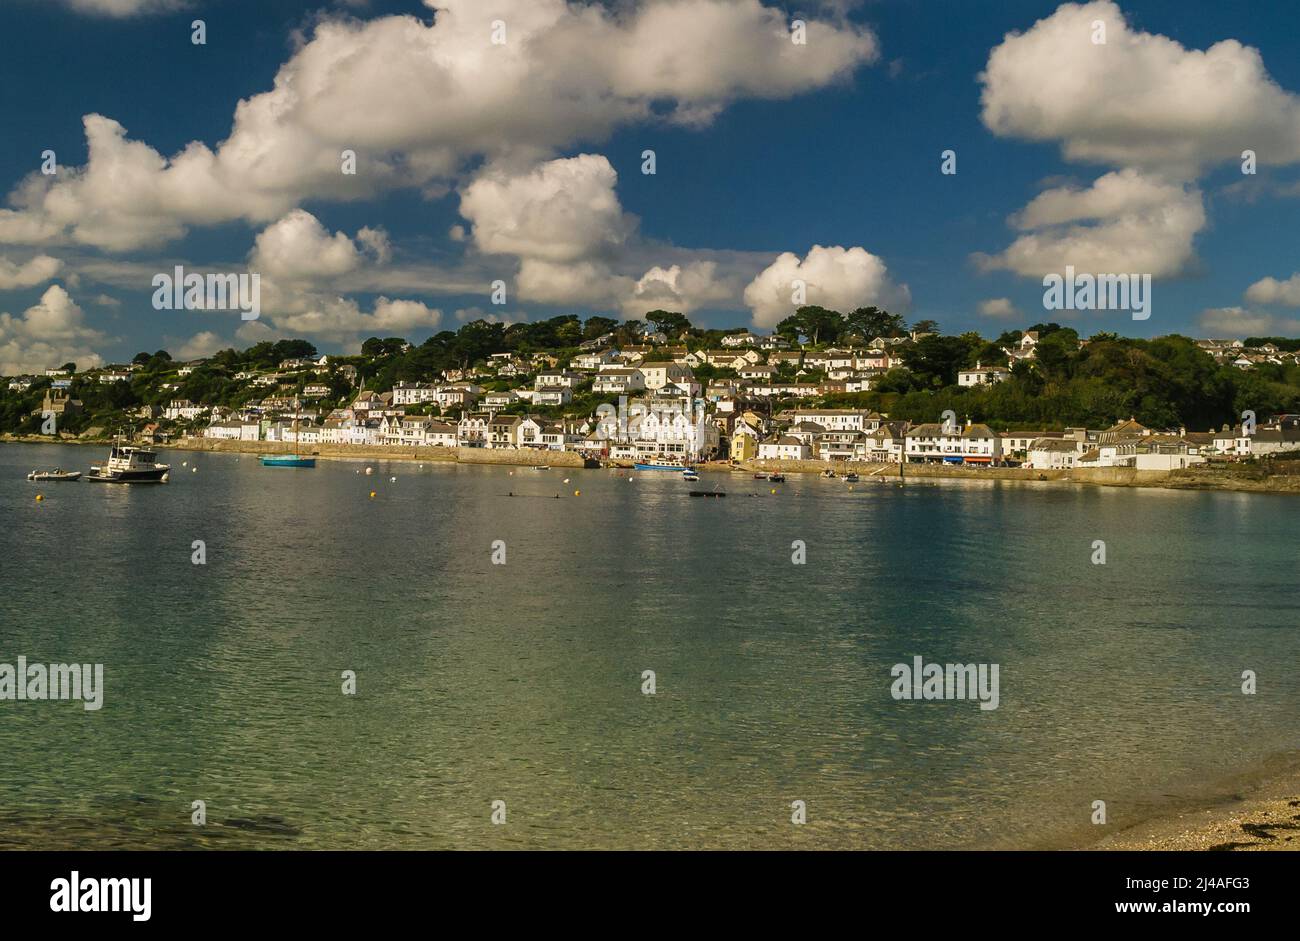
(1262, 813)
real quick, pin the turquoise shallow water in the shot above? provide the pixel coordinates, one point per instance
(522, 682)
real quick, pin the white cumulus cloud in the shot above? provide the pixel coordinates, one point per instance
(1124, 222)
(417, 101)
(30, 273)
(298, 247)
(835, 277)
(49, 333)
(1273, 291)
(999, 307)
(1139, 99)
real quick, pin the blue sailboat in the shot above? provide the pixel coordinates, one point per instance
(288, 460)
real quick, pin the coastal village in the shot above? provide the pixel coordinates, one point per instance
(759, 404)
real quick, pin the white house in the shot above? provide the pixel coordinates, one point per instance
(183, 410)
(619, 381)
(224, 431)
(472, 429)
(557, 395)
(837, 419)
(1054, 453)
(595, 360)
(558, 379)
(440, 434)
(413, 393)
(784, 448)
(500, 400)
(982, 376)
(659, 374)
(934, 443)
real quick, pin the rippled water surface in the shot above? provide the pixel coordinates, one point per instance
(522, 682)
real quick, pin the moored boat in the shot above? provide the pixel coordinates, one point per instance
(776, 478)
(656, 466)
(850, 478)
(291, 460)
(689, 474)
(287, 460)
(57, 474)
(130, 465)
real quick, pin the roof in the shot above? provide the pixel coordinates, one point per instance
(1062, 445)
(935, 430)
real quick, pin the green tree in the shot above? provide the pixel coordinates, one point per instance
(595, 327)
(872, 322)
(668, 322)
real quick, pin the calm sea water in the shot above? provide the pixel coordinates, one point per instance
(522, 682)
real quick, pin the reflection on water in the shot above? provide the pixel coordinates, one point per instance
(479, 682)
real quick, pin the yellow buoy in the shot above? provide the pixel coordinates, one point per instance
(372, 495)
(577, 493)
(39, 498)
(774, 490)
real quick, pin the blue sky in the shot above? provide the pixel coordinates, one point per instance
(840, 148)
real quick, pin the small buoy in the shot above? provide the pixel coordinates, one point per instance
(774, 490)
(194, 470)
(566, 480)
(185, 463)
(372, 495)
(39, 498)
(392, 480)
(512, 473)
(369, 471)
(577, 493)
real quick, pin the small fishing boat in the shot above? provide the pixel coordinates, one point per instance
(708, 493)
(287, 460)
(57, 474)
(776, 478)
(760, 476)
(689, 474)
(128, 465)
(541, 467)
(590, 463)
(828, 474)
(850, 478)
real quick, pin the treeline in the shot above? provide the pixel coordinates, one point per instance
(1164, 382)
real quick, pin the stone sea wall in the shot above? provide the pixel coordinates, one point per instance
(512, 456)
